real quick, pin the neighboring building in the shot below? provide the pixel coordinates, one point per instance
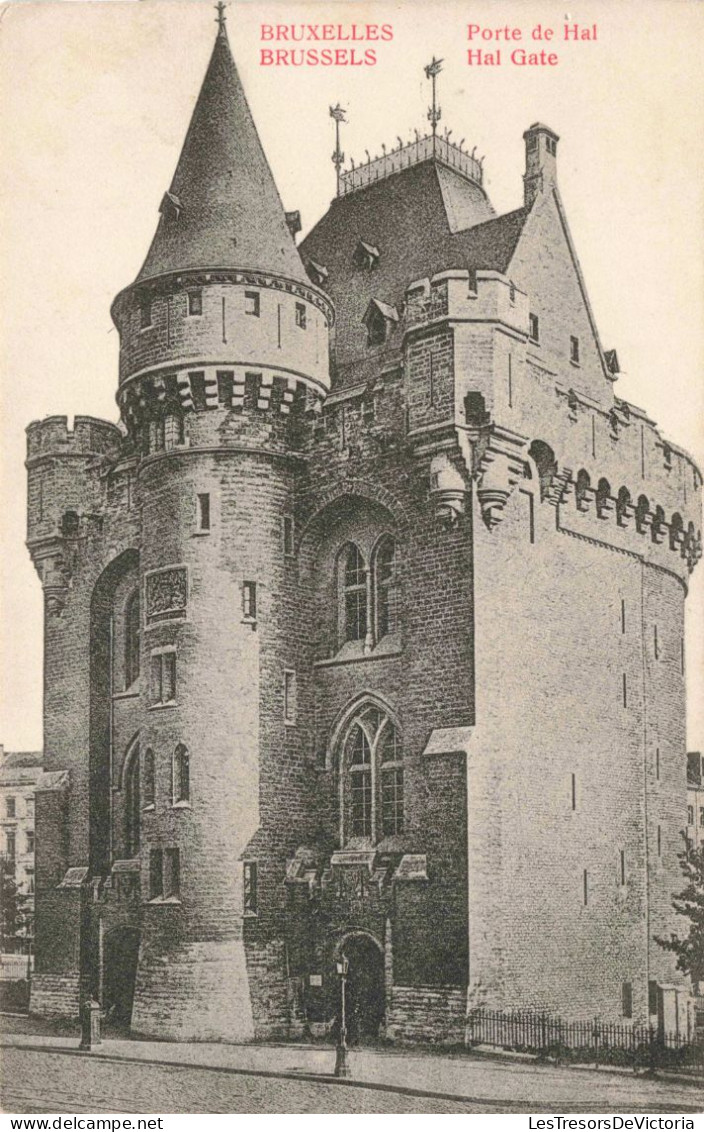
(695, 798)
(20, 774)
(364, 631)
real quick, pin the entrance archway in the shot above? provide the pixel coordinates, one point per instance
(365, 987)
(120, 956)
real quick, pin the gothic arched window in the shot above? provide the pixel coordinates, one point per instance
(132, 639)
(371, 777)
(353, 614)
(182, 777)
(384, 587)
(132, 804)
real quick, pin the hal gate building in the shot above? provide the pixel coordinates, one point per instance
(364, 628)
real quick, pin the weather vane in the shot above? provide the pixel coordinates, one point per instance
(220, 18)
(434, 113)
(338, 156)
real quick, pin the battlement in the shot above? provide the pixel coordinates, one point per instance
(89, 436)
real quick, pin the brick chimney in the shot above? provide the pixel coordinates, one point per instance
(541, 161)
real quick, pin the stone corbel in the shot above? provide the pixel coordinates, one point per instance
(448, 490)
(56, 578)
(625, 515)
(659, 531)
(585, 499)
(499, 468)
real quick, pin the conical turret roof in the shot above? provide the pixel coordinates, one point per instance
(223, 209)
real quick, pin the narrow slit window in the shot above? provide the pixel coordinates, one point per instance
(623, 616)
(172, 873)
(585, 887)
(288, 535)
(623, 866)
(624, 690)
(250, 887)
(574, 350)
(145, 312)
(301, 316)
(156, 874)
(182, 775)
(289, 696)
(163, 677)
(657, 763)
(656, 646)
(149, 778)
(659, 841)
(534, 327)
(203, 511)
(574, 791)
(627, 1000)
(249, 600)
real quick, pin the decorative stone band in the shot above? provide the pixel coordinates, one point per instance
(168, 284)
(217, 385)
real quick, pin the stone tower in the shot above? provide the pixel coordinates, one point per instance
(220, 335)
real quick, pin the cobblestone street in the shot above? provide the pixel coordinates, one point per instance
(50, 1075)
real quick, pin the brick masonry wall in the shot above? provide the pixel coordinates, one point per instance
(427, 1014)
(55, 995)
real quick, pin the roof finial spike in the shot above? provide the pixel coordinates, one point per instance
(432, 70)
(338, 157)
(221, 17)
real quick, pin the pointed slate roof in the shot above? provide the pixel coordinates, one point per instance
(223, 208)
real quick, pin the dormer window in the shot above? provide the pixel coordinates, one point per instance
(317, 273)
(379, 321)
(533, 328)
(170, 207)
(366, 256)
(195, 302)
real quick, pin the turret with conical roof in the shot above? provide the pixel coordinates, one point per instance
(223, 287)
(222, 208)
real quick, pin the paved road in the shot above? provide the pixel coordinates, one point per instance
(36, 1080)
(62, 1083)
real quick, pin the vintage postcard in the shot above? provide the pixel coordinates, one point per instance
(352, 399)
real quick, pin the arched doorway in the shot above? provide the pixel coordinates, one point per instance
(120, 956)
(365, 1002)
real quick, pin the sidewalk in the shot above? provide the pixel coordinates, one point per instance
(517, 1084)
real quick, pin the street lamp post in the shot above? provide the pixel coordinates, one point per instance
(342, 1068)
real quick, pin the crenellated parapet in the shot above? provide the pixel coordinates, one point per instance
(66, 470)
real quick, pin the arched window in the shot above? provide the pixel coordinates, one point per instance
(371, 777)
(582, 488)
(182, 780)
(132, 804)
(544, 458)
(623, 506)
(353, 614)
(642, 511)
(603, 498)
(132, 639)
(149, 778)
(676, 531)
(385, 587)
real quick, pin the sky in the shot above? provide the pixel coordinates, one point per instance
(97, 97)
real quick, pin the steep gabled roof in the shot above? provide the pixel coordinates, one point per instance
(412, 217)
(222, 208)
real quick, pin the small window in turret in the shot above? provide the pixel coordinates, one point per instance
(251, 303)
(301, 316)
(574, 350)
(195, 302)
(145, 312)
(534, 327)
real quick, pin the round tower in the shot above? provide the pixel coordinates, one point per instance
(223, 344)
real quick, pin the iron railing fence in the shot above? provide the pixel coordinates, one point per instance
(640, 1047)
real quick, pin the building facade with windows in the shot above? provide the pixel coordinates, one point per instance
(21, 776)
(364, 629)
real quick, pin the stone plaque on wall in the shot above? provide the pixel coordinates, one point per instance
(167, 594)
